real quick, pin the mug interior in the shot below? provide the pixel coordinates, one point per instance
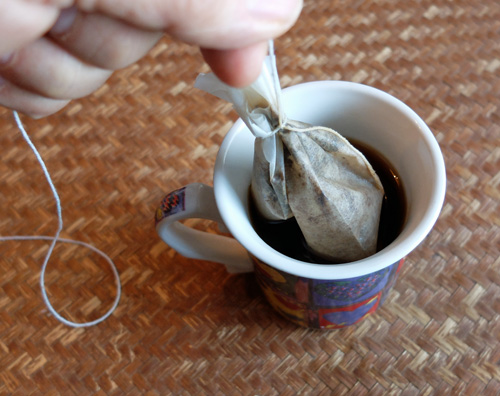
(355, 111)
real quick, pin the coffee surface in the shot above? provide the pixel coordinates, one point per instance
(286, 236)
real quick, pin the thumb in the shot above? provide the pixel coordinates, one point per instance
(216, 24)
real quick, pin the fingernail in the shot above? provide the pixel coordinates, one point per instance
(5, 58)
(65, 20)
(274, 9)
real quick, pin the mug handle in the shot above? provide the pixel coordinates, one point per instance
(197, 200)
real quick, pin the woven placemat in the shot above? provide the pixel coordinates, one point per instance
(187, 327)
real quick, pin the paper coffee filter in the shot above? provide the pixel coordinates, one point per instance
(308, 172)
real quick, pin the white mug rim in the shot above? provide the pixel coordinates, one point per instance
(384, 258)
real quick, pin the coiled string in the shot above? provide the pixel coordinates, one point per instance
(56, 239)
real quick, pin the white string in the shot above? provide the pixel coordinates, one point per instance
(277, 88)
(56, 239)
(307, 129)
(282, 122)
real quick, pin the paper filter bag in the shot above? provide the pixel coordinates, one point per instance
(308, 172)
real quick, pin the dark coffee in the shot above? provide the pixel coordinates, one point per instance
(286, 236)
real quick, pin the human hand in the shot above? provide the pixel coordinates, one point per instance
(52, 51)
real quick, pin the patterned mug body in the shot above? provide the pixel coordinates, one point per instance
(321, 303)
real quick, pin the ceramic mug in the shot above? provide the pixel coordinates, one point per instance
(322, 296)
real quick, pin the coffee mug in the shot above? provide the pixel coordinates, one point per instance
(325, 296)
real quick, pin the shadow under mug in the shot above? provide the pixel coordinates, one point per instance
(325, 296)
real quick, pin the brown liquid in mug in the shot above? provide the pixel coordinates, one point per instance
(286, 236)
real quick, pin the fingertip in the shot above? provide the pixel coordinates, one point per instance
(237, 67)
(23, 22)
(28, 103)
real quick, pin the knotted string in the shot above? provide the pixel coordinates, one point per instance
(56, 239)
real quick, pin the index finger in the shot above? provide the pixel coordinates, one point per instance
(22, 22)
(215, 24)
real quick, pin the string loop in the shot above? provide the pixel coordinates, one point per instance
(56, 238)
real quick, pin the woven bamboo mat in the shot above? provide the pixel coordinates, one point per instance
(186, 327)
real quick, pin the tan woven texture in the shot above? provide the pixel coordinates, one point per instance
(187, 327)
